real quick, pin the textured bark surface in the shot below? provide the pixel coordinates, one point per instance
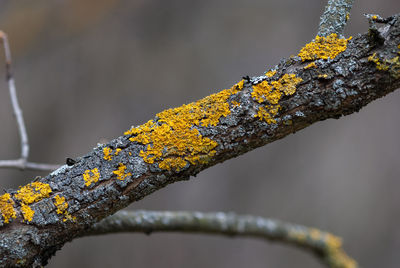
(368, 69)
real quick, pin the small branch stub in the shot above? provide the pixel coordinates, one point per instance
(335, 17)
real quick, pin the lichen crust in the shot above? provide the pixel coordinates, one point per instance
(31, 193)
(62, 206)
(172, 139)
(91, 176)
(324, 47)
(271, 93)
(7, 208)
(121, 172)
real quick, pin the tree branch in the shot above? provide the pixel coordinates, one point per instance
(22, 162)
(335, 17)
(326, 246)
(331, 77)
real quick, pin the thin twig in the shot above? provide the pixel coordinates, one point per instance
(14, 100)
(22, 162)
(325, 245)
(335, 17)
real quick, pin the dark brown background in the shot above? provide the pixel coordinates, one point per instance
(88, 70)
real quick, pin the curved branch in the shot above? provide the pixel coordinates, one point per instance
(22, 162)
(326, 246)
(181, 142)
(14, 100)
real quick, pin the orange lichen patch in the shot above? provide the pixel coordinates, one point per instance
(337, 255)
(62, 207)
(235, 103)
(324, 48)
(91, 176)
(33, 192)
(27, 212)
(272, 92)
(379, 65)
(117, 151)
(173, 162)
(270, 73)
(120, 172)
(392, 65)
(239, 85)
(267, 114)
(264, 91)
(311, 65)
(287, 84)
(107, 153)
(172, 140)
(331, 247)
(60, 204)
(7, 207)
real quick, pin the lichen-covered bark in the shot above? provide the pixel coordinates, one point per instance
(39, 218)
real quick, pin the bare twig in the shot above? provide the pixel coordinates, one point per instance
(22, 162)
(325, 245)
(335, 17)
(14, 100)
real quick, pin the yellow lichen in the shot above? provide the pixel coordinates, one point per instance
(311, 65)
(272, 93)
(337, 255)
(322, 76)
(287, 84)
(27, 212)
(235, 103)
(270, 73)
(117, 151)
(7, 207)
(107, 153)
(172, 140)
(267, 115)
(33, 192)
(347, 16)
(261, 91)
(173, 162)
(332, 246)
(239, 85)
(60, 204)
(392, 65)
(91, 176)
(62, 207)
(323, 48)
(120, 172)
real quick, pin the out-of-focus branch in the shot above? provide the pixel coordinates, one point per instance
(335, 17)
(326, 246)
(22, 162)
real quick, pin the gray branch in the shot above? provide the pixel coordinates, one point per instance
(63, 205)
(24, 165)
(22, 162)
(335, 17)
(326, 246)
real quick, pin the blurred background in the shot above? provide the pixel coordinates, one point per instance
(87, 70)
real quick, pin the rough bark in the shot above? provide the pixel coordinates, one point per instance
(118, 173)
